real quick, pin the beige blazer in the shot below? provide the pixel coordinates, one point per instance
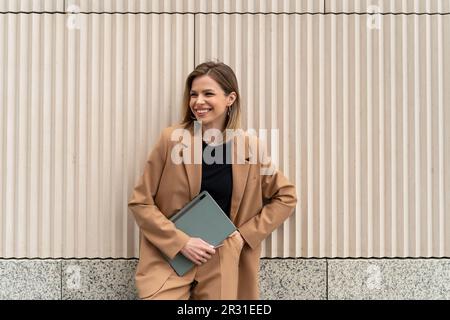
(259, 204)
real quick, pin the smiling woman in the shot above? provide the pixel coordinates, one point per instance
(209, 103)
(256, 203)
(211, 95)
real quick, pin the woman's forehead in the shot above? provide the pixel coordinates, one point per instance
(204, 83)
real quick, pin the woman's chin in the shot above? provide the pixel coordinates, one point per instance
(204, 121)
(208, 123)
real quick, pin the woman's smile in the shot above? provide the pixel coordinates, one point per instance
(201, 112)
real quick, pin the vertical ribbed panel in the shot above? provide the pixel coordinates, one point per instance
(267, 53)
(141, 60)
(393, 183)
(80, 110)
(391, 6)
(361, 115)
(358, 111)
(31, 5)
(31, 57)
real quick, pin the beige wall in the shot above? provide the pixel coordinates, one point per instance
(362, 115)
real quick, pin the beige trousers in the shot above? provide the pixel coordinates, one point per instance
(217, 279)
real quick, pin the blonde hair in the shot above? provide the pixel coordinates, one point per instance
(225, 77)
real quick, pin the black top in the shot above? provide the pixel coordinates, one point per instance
(217, 177)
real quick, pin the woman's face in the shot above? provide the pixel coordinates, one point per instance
(209, 103)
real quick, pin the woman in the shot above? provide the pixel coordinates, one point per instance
(179, 167)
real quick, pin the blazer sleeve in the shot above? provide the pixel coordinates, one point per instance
(153, 224)
(279, 196)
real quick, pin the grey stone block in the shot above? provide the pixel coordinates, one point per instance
(24, 279)
(293, 279)
(389, 279)
(110, 279)
(279, 279)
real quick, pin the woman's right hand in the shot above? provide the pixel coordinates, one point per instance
(198, 251)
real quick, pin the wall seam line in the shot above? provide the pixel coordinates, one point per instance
(239, 13)
(61, 280)
(195, 22)
(326, 278)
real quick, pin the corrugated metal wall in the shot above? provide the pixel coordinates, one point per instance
(361, 103)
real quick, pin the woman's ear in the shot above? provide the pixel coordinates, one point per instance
(231, 98)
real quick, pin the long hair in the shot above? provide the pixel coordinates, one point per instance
(225, 77)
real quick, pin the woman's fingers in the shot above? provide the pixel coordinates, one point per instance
(209, 250)
(207, 247)
(206, 256)
(203, 255)
(199, 259)
(198, 251)
(194, 257)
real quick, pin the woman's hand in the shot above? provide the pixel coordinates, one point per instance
(198, 251)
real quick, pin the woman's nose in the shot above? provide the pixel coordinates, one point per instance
(200, 100)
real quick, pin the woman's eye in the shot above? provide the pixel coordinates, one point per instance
(206, 94)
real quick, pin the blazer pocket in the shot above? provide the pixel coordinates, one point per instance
(237, 244)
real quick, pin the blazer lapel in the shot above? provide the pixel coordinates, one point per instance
(240, 173)
(194, 166)
(194, 174)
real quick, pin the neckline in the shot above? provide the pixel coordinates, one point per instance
(215, 145)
